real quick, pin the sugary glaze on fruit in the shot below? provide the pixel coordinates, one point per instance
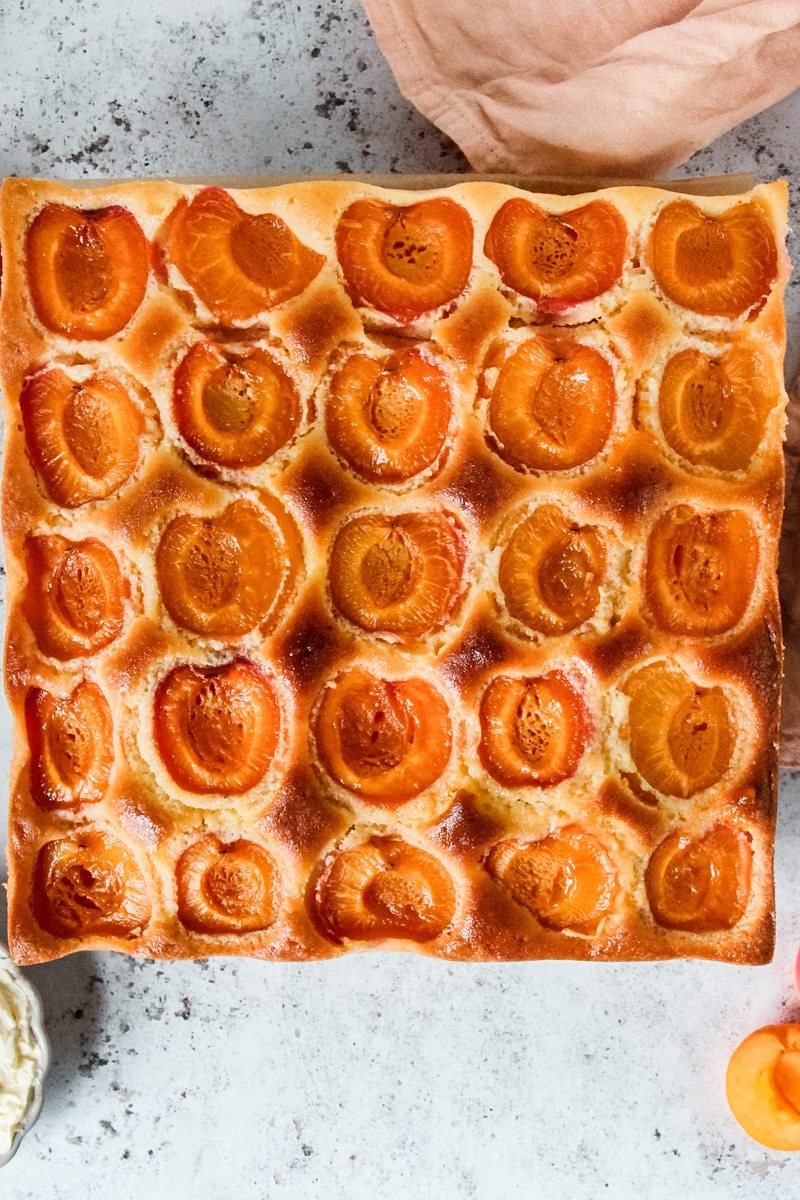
(392, 570)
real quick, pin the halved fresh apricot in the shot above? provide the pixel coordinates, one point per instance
(75, 602)
(385, 888)
(239, 264)
(552, 407)
(533, 731)
(716, 266)
(83, 438)
(682, 736)
(223, 576)
(700, 884)
(558, 261)
(566, 879)
(712, 410)
(384, 740)
(216, 728)
(551, 571)
(763, 1086)
(227, 887)
(72, 746)
(399, 575)
(700, 570)
(388, 419)
(405, 260)
(89, 884)
(236, 410)
(87, 269)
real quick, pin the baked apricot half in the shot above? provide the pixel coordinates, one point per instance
(398, 575)
(227, 887)
(558, 261)
(385, 888)
(700, 884)
(87, 270)
(89, 884)
(566, 879)
(75, 601)
(239, 264)
(716, 266)
(552, 406)
(405, 260)
(224, 576)
(216, 728)
(551, 571)
(700, 570)
(71, 739)
(682, 736)
(384, 740)
(234, 409)
(533, 731)
(763, 1086)
(83, 438)
(388, 419)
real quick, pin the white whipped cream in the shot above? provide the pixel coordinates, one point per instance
(20, 1057)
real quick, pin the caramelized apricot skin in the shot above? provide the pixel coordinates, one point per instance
(385, 888)
(700, 570)
(231, 887)
(87, 270)
(533, 731)
(75, 602)
(234, 410)
(89, 884)
(566, 879)
(405, 261)
(700, 884)
(551, 571)
(217, 728)
(83, 438)
(715, 266)
(558, 261)
(552, 407)
(238, 264)
(388, 420)
(71, 739)
(397, 575)
(386, 741)
(763, 1086)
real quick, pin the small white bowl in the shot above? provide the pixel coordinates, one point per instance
(40, 1037)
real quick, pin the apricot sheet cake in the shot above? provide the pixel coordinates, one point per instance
(392, 569)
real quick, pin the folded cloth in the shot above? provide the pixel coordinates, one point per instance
(577, 87)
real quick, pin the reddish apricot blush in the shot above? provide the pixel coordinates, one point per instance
(385, 888)
(533, 731)
(89, 885)
(716, 266)
(398, 575)
(75, 601)
(566, 879)
(552, 407)
(405, 260)
(83, 438)
(763, 1086)
(384, 740)
(235, 410)
(388, 419)
(239, 264)
(551, 571)
(700, 884)
(87, 271)
(216, 728)
(558, 261)
(71, 739)
(228, 887)
(700, 570)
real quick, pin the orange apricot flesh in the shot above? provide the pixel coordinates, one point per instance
(533, 731)
(75, 601)
(71, 739)
(87, 884)
(228, 887)
(700, 884)
(763, 1086)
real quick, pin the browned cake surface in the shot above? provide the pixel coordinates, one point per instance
(389, 570)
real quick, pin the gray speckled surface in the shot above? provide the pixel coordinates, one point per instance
(370, 1076)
